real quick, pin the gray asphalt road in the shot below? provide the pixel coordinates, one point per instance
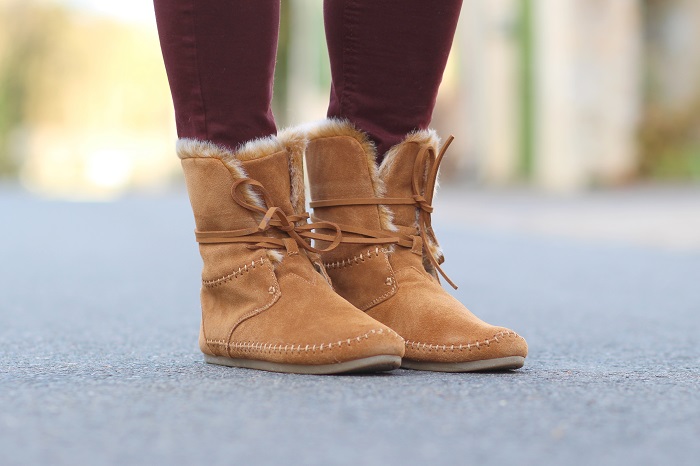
(98, 360)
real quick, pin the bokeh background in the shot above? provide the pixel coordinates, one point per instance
(569, 211)
(561, 95)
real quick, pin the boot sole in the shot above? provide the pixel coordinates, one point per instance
(371, 364)
(498, 364)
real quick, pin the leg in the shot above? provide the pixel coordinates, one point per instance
(398, 286)
(220, 60)
(265, 304)
(387, 60)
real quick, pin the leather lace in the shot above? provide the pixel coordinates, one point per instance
(296, 231)
(425, 171)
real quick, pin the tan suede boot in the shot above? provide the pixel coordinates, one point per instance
(398, 284)
(266, 300)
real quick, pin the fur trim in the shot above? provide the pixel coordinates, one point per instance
(275, 256)
(292, 140)
(433, 248)
(421, 137)
(424, 136)
(295, 141)
(195, 148)
(335, 127)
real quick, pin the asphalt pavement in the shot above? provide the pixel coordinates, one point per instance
(99, 316)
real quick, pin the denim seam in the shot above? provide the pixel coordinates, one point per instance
(349, 57)
(199, 92)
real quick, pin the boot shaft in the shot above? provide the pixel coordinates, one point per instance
(210, 170)
(341, 164)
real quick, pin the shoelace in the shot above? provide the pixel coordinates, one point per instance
(294, 235)
(422, 198)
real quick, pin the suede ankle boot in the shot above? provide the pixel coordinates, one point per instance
(266, 299)
(398, 284)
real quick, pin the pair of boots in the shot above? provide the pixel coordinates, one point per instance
(366, 295)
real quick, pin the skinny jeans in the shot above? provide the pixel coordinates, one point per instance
(387, 58)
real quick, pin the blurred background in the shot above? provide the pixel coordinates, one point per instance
(569, 210)
(561, 95)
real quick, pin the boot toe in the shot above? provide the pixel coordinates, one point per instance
(493, 344)
(504, 343)
(377, 341)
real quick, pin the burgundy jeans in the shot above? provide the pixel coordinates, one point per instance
(387, 58)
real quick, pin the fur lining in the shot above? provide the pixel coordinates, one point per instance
(294, 141)
(275, 256)
(195, 148)
(421, 137)
(335, 127)
(424, 136)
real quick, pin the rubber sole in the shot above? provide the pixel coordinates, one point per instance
(371, 364)
(498, 364)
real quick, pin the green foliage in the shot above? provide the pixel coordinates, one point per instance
(279, 102)
(68, 77)
(25, 40)
(669, 131)
(527, 84)
(670, 143)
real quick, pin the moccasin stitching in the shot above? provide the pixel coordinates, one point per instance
(235, 274)
(257, 347)
(419, 346)
(339, 264)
